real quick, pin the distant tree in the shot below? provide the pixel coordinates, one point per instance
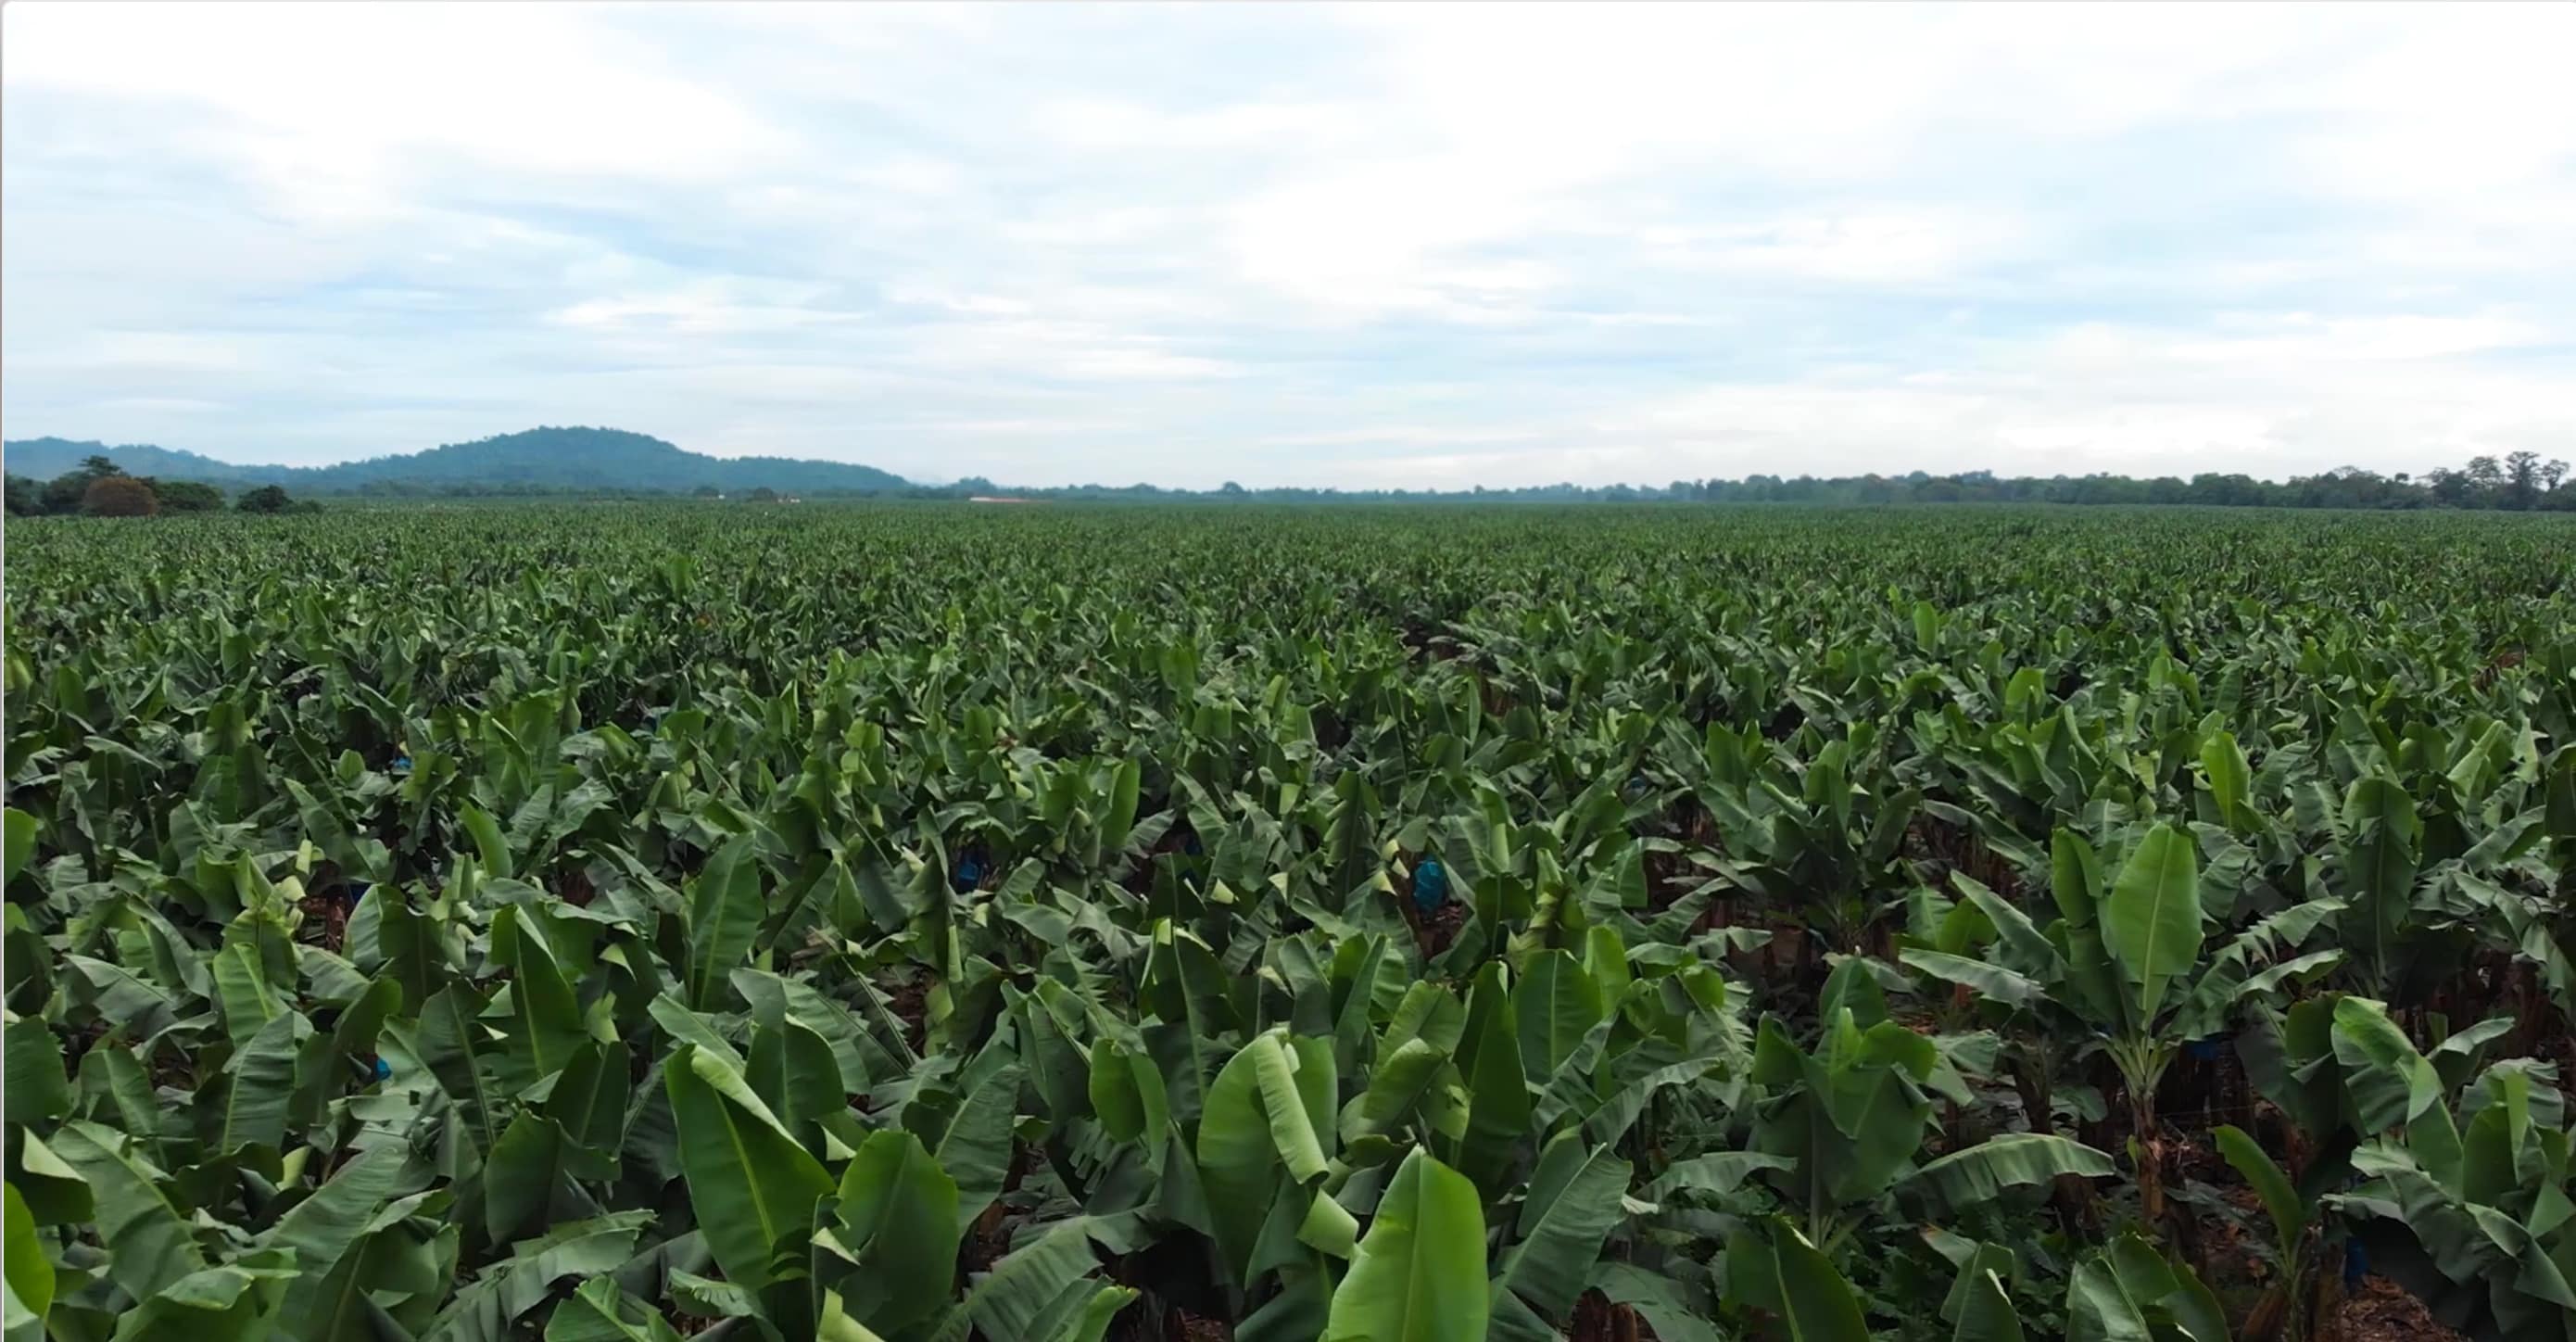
(2522, 479)
(63, 493)
(2225, 490)
(2561, 497)
(764, 494)
(265, 499)
(185, 496)
(706, 492)
(119, 496)
(26, 497)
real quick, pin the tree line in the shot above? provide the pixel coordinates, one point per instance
(2515, 483)
(2520, 482)
(101, 488)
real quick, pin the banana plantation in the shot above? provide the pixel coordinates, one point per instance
(922, 924)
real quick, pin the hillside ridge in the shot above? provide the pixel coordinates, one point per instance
(544, 458)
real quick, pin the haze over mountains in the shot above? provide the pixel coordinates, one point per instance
(544, 459)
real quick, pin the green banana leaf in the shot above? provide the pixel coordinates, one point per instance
(754, 1189)
(1419, 1274)
(2151, 921)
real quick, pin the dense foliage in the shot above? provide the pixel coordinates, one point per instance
(183, 496)
(98, 487)
(118, 496)
(1047, 925)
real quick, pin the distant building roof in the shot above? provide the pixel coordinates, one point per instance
(997, 498)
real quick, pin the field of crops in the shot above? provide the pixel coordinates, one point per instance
(924, 923)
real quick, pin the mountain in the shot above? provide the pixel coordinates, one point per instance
(544, 459)
(45, 458)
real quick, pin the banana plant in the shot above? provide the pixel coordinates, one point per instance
(2465, 1197)
(2131, 1290)
(1849, 1118)
(2123, 963)
(1979, 1306)
(1815, 841)
(2293, 1214)
(1776, 1271)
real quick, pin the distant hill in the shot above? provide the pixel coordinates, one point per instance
(45, 458)
(539, 459)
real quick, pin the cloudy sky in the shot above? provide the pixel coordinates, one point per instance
(1371, 246)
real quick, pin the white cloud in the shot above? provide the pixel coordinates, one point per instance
(1018, 346)
(699, 311)
(1375, 244)
(2302, 338)
(1868, 248)
(1118, 125)
(160, 351)
(1410, 435)
(327, 104)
